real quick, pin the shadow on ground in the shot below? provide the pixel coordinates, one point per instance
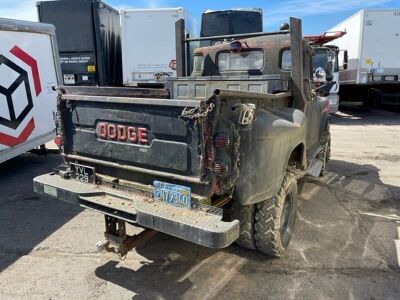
(347, 116)
(26, 219)
(342, 248)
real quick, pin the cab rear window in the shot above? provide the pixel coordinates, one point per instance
(241, 61)
(286, 60)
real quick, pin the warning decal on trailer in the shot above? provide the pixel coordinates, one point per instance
(16, 99)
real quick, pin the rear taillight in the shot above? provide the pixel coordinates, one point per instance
(220, 169)
(221, 141)
(58, 140)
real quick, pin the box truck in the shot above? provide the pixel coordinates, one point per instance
(88, 34)
(28, 71)
(370, 68)
(148, 44)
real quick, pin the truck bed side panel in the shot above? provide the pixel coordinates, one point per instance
(264, 153)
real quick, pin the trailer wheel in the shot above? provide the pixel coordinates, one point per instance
(245, 215)
(275, 218)
(377, 98)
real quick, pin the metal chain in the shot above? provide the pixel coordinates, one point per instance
(230, 184)
(198, 112)
(57, 118)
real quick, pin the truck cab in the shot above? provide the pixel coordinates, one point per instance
(326, 74)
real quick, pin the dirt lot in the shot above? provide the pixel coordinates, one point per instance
(344, 245)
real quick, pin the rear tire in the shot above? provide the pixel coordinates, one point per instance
(245, 215)
(275, 219)
(325, 154)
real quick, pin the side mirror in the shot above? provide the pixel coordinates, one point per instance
(345, 59)
(320, 73)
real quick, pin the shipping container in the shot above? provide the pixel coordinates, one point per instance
(88, 34)
(28, 70)
(372, 43)
(148, 43)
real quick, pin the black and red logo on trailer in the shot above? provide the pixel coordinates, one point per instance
(16, 97)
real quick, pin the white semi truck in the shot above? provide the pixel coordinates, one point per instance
(370, 68)
(28, 71)
(326, 58)
(148, 44)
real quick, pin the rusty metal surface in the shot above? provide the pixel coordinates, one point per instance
(137, 239)
(126, 100)
(115, 92)
(134, 169)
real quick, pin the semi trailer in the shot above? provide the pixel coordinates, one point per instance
(231, 21)
(372, 41)
(89, 43)
(28, 71)
(148, 44)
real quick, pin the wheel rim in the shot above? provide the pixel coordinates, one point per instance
(285, 219)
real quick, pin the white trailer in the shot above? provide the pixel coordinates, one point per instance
(28, 71)
(148, 43)
(373, 69)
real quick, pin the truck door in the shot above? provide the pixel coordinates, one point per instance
(312, 106)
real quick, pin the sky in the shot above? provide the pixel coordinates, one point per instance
(317, 15)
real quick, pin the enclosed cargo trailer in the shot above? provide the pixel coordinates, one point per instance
(88, 35)
(148, 43)
(231, 21)
(28, 70)
(373, 69)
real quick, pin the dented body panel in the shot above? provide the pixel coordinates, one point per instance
(220, 136)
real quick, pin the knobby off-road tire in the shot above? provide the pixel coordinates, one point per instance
(274, 218)
(245, 214)
(325, 154)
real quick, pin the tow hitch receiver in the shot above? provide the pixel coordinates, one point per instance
(117, 241)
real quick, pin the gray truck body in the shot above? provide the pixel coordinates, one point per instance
(226, 135)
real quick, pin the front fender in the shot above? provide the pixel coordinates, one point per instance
(265, 149)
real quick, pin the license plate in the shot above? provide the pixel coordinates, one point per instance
(173, 194)
(82, 173)
(50, 190)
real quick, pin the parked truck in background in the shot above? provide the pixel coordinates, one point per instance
(372, 41)
(213, 158)
(28, 71)
(88, 35)
(231, 21)
(326, 66)
(326, 74)
(148, 44)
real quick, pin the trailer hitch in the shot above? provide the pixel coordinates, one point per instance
(117, 241)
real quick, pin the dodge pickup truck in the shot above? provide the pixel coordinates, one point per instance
(213, 158)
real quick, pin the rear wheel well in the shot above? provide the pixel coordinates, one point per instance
(296, 158)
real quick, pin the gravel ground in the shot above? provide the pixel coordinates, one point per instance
(344, 245)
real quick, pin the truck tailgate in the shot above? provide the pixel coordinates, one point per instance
(146, 133)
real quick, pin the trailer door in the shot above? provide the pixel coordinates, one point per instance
(381, 43)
